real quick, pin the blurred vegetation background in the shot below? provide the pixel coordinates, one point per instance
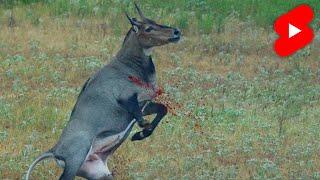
(241, 112)
(204, 15)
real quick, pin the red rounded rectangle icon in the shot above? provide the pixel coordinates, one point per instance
(293, 30)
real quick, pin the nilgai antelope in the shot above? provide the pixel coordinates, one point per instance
(110, 103)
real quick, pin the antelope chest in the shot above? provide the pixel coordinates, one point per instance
(146, 91)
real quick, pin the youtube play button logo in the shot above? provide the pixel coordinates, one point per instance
(293, 30)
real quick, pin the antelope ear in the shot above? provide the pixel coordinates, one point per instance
(135, 28)
(133, 22)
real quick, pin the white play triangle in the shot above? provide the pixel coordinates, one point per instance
(293, 30)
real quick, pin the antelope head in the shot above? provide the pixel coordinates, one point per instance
(150, 34)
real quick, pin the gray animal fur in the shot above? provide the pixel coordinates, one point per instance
(105, 111)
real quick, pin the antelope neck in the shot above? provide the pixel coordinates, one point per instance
(140, 83)
(136, 57)
(156, 90)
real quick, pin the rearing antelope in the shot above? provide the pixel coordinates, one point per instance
(110, 102)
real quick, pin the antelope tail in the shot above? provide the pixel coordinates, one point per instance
(35, 162)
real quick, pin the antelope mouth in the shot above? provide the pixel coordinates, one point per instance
(174, 39)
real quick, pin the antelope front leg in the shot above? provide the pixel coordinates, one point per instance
(131, 105)
(151, 108)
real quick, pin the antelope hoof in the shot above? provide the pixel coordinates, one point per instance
(141, 135)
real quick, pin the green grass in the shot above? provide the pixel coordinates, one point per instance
(208, 15)
(241, 112)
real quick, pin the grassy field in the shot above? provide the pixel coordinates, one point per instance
(241, 111)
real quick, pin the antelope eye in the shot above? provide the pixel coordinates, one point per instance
(149, 29)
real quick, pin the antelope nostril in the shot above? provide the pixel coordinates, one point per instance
(176, 32)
